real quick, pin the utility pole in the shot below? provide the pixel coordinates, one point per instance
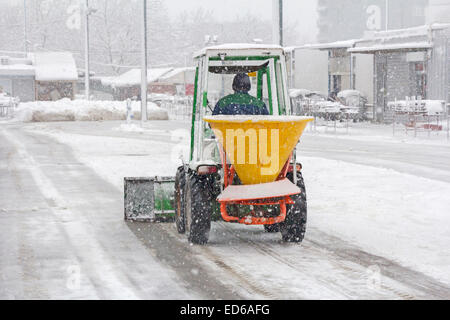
(86, 51)
(144, 82)
(280, 14)
(387, 15)
(25, 29)
(277, 22)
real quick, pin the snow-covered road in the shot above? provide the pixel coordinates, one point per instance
(61, 232)
(61, 215)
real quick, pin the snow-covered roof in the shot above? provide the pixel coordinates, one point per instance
(133, 77)
(239, 47)
(409, 32)
(290, 49)
(55, 66)
(392, 47)
(10, 66)
(414, 37)
(17, 70)
(331, 45)
(176, 72)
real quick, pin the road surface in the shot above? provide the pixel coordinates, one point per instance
(62, 234)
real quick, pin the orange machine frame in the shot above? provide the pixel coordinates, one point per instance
(229, 174)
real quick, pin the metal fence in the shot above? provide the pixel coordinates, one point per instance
(178, 108)
(415, 116)
(329, 110)
(413, 123)
(330, 123)
(7, 106)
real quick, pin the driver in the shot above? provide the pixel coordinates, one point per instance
(240, 102)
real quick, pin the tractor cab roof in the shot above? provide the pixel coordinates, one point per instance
(241, 49)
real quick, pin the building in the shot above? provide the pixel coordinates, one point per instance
(170, 81)
(56, 75)
(181, 80)
(17, 78)
(42, 76)
(385, 66)
(438, 11)
(128, 84)
(413, 62)
(330, 68)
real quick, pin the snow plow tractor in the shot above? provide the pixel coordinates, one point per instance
(242, 165)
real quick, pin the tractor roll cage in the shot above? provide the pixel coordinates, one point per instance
(231, 69)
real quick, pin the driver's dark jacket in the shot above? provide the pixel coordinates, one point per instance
(240, 103)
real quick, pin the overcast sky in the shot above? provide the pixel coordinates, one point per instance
(302, 12)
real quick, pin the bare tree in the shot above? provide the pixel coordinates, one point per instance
(114, 35)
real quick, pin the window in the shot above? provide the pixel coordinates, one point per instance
(337, 83)
(221, 76)
(419, 79)
(6, 86)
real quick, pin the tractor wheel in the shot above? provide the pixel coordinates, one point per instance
(272, 228)
(294, 227)
(180, 182)
(198, 209)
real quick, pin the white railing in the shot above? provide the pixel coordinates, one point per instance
(418, 116)
(178, 107)
(7, 106)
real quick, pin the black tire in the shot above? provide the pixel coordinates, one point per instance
(272, 228)
(294, 227)
(180, 182)
(198, 208)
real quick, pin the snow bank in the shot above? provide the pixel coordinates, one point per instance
(82, 110)
(391, 214)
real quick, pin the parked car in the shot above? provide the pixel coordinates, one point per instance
(355, 104)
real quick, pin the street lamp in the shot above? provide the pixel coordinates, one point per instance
(387, 15)
(211, 40)
(144, 82)
(25, 30)
(277, 22)
(87, 12)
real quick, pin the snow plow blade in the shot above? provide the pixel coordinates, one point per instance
(149, 199)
